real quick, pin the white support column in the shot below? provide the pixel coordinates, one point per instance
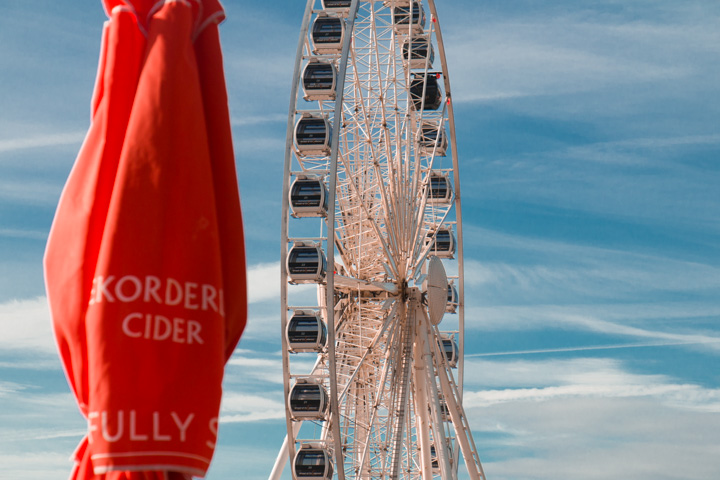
(462, 429)
(441, 450)
(280, 461)
(421, 401)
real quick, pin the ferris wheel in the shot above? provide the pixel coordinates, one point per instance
(372, 261)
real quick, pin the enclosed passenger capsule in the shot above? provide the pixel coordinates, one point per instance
(441, 192)
(443, 242)
(418, 53)
(432, 139)
(430, 85)
(312, 461)
(327, 34)
(306, 332)
(402, 19)
(308, 197)
(452, 299)
(444, 411)
(319, 80)
(312, 135)
(450, 348)
(336, 5)
(306, 263)
(308, 400)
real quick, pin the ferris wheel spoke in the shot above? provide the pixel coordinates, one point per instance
(363, 404)
(361, 349)
(366, 214)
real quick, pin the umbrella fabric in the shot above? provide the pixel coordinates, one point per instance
(145, 263)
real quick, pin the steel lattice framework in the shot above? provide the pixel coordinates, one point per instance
(388, 162)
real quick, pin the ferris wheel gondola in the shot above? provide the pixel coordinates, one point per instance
(372, 216)
(306, 332)
(308, 197)
(312, 462)
(328, 32)
(319, 79)
(418, 52)
(404, 21)
(308, 400)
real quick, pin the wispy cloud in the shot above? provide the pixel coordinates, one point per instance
(654, 183)
(582, 288)
(560, 270)
(27, 234)
(549, 413)
(238, 407)
(40, 141)
(264, 367)
(254, 145)
(264, 283)
(634, 151)
(258, 119)
(547, 380)
(589, 348)
(574, 438)
(267, 368)
(34, 363)
(40, 428)
(33, 465)
(26, 326)
(572, 52)
(8, 388)
(687, 396)
(30, 192)
(592, 319)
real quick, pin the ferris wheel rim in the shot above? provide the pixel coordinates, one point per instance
(331, 287)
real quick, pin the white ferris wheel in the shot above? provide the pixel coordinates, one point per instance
(372, 364)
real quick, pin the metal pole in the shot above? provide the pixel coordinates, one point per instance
(280, 461)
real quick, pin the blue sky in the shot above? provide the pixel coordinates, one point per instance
(589, 144)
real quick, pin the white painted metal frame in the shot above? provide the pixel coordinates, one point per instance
(382, 367)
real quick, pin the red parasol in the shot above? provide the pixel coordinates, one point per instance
(145, 264)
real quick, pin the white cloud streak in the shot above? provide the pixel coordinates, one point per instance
(548, 380)
(30, 192)
(40, 141)
(238, 407)
(258, 147)
(577, 318)
(264, 283)
(27, 234)
(25, 326)
(688, 396)
(534, 54)
(588, 348)
(34, 465)
(267, 369)
(573, 271)
(633, 151)
(547, 414)
(258, 119)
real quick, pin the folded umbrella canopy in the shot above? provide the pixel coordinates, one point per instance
(145, 263)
